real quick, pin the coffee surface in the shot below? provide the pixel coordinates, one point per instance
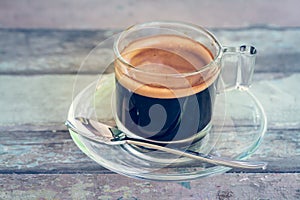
(165, 66)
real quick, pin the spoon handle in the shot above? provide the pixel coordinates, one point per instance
(205, 158)
(190, 154)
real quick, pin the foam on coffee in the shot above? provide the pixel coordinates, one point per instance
(159, 64)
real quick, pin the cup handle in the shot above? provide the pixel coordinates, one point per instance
(237, 66)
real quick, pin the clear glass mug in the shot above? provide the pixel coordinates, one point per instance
(167, 77)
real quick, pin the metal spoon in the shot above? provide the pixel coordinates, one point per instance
(101, 133)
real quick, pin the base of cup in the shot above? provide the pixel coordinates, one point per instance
(160, 157)
(184, 143)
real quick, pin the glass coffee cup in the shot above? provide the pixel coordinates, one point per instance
(167, 77)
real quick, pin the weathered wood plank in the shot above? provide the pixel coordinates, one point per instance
(47, 51)
(38, 99)
(280, 97)
(62, 51)
(43, 100)
(55, 152)
(42, 152)
(112, 186)
(45, 109)
(277, 47)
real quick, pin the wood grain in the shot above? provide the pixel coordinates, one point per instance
(43, 100)
(112, 186)
(39, 160)
(55, 152)
(39, 117)
(45, 51)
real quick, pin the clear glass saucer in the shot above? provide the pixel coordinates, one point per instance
(236, 133)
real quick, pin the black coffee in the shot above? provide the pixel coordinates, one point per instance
(154, 98)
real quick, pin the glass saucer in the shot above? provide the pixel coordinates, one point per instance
(236, 133)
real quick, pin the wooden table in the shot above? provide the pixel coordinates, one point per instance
(39, 160)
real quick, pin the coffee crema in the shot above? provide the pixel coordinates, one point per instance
(165, 66)
(162, 93)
